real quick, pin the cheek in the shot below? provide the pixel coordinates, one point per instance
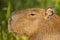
(31, 28)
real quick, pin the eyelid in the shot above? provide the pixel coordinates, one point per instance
(33, 14)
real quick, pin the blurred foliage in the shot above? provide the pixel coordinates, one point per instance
(7, 6)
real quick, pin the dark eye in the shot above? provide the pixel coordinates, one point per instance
(32, 14)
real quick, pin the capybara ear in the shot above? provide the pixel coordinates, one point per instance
(49, 12)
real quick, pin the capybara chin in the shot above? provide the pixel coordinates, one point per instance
(35, 23)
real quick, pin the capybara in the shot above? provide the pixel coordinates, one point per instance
(35, 23)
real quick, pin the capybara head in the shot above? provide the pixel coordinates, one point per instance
(31, 21)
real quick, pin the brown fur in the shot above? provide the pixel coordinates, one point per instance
(35, 26)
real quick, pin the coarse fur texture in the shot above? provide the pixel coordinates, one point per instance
(35, 23)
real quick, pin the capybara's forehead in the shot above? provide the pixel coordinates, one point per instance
(38, 10)
(26, 11)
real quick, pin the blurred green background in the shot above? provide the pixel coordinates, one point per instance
(8, 6)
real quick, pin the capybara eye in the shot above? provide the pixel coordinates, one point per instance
(32, 14)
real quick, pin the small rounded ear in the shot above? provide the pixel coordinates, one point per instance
(49, 12)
